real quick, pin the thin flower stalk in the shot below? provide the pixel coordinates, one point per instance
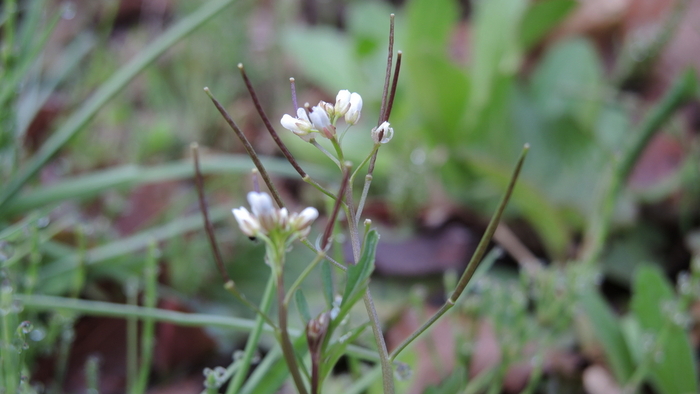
(325, 152)
(328, 232)
(285, 341)
(258, 107)
(473, 262)
(319, 257)
(384, 117)
(249, 149)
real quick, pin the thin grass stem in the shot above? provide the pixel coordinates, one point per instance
(80, 118)
(149, 325)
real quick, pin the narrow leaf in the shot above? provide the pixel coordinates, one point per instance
(302, 306)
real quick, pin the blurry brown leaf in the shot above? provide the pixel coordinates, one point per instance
(429, 253)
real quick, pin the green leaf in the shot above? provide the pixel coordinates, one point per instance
(272, 372)
(607, 329)
(541, 17)
(429, 25)
(336, 69)
(496, 47)
(358, 274)
(336, 349)
(302, 306)
(89, 185)
(674, 372)
(327, 279)
(568, 82)
(437, 88)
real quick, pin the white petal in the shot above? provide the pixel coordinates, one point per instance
(290, 123)
(319, 118)
(263, 209)
(248, 224)
(353, 114)
(342, 102)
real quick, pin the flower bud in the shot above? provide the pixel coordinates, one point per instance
(382, 134)
(316, 331)
(321, 120)
(301, 125)
(352, 116)
(342, 103)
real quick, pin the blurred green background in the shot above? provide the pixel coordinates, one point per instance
(99, 102)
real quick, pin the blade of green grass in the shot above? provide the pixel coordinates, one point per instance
(107, 91)
(134, 243)
(86, 186)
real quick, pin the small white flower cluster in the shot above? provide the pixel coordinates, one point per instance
(266, 218)
(322, 118)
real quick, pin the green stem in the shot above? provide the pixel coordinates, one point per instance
(384, 360)
(339, 152)
(362, 164)
(319, 257)
(10, 12)
(325, 152)
(683, 89)
(254, 338)
(230, 286)
(308, 244)
(318, 187)
(131, 289)
(473, 262)
(148, 329)
(8, 354)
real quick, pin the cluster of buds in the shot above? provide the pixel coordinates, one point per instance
(265, 219)
(322, 118)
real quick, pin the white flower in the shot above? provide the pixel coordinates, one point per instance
(319, 117)
(321, 120)
(342, 103)
(248, 224)
(301, 222)
(353, 113)
(263, 210)
(382, 134)
(265, 218)
(301, 125)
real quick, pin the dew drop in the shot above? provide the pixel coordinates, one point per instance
(26, 327)
(402, 371)
(43, 221)
(37, 335)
